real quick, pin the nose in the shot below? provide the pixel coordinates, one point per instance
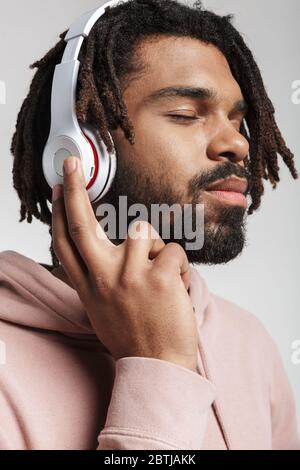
(228, 143)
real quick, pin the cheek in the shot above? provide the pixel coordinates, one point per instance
(181, 148)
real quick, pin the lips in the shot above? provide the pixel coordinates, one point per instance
(231, 184)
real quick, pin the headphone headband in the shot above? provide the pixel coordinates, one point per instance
(66, 73)
(83, 25)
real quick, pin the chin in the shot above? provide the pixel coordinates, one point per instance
(224, 239)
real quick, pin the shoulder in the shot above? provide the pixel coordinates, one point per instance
(254, 356)
(243, 328)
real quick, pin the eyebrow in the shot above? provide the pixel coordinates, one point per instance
(199, 93)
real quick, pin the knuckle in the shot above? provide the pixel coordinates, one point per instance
(69, 188)
(176, 248)
(160, 280)
(57, 245)
(101, 283)
(176, 251)
(129, 281)
(77, 230)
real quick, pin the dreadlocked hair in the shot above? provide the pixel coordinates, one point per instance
(108, 63)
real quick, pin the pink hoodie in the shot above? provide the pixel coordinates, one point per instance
(61, 389)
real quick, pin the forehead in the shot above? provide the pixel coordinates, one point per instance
(183, 61)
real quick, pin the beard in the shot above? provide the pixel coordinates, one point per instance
(223, 226)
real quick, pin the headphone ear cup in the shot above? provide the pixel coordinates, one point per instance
(105, 164)
(113, 170)
(95, 167)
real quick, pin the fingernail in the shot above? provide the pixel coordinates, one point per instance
(57, 192)
(70, 165)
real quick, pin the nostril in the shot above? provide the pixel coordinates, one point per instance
(229, 155)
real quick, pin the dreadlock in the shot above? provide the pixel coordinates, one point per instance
(108, 63)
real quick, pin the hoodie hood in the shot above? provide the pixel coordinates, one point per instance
(31, 296)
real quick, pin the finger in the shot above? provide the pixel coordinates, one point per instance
(84, 229)
(173, 258)
(143, 243)
(64, 246)
(156, 248)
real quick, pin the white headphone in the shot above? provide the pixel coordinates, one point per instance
(66, 136)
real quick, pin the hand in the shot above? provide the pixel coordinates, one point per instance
(135, 294)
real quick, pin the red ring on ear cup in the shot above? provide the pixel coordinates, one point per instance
(96, 162)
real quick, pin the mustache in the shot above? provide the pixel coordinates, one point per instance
(199, 182)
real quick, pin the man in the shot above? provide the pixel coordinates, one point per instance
(121, 345)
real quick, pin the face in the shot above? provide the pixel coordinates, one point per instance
(186, 141)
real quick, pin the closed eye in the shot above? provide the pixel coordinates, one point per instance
(180, 117)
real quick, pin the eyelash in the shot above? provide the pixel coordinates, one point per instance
(180, 117)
